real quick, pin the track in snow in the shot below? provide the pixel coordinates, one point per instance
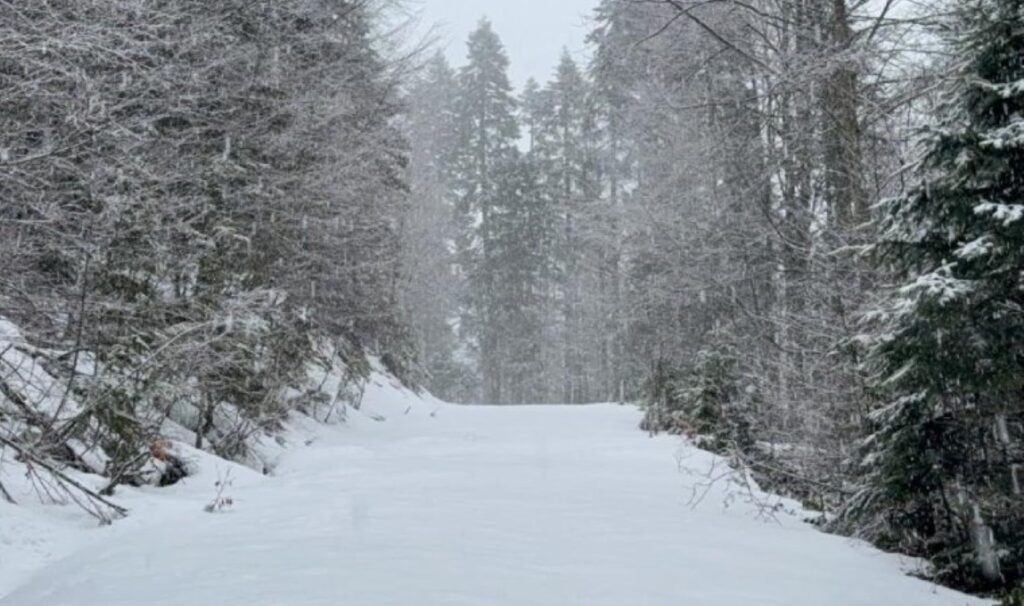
(526, 506)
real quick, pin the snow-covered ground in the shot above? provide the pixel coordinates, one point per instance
(416, 503)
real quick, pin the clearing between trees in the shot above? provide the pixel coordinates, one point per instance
(418, 502)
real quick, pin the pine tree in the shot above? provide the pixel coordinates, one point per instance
(562, 149)
(520, 259)
(943, 471)
(488, 132)
(431, 292)
(614, 73)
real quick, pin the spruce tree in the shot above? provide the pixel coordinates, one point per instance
(943, 468)
(562, 137)
(614, 74)
(488, 132)
(431, 290)
(520, 256)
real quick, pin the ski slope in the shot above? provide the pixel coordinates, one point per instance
(431, 505)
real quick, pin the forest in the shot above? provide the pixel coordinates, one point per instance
(791, 230)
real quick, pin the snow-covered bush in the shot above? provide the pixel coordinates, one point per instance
(196, 197)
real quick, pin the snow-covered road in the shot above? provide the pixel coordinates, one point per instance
(475, 506)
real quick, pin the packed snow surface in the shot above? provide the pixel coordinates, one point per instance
(422, 504)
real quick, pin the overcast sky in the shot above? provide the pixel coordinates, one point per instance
(534, 31)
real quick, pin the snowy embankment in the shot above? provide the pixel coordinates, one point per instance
(35, 531)
(413, 502)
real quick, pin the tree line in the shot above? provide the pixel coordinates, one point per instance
(791, 228)
(198, 200)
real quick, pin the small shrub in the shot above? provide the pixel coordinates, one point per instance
(221, 502)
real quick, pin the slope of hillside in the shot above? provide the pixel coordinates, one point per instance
(46, 525)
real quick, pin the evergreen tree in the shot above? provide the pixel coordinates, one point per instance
(431, 293)
(488, 132)
(562, 139)
(614, 73)
(568, 181)
(520, 259)
(943, 471)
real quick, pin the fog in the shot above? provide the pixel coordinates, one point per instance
(534, 31)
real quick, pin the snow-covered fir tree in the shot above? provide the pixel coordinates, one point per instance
(488, 131)
(943, 469)
(520, 266)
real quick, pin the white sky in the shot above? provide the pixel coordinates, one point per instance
(534, 31)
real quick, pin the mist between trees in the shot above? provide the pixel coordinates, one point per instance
(723, 216)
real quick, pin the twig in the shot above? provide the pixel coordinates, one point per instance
(220, 502)
(121, 473)
(63, 477)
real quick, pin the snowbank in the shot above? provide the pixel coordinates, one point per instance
(45, 525)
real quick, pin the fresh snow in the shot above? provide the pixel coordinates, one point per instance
(417, 503)
(1008, 214)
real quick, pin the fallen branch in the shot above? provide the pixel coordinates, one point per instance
(62, 477)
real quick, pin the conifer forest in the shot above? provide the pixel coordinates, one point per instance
(789, 232)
